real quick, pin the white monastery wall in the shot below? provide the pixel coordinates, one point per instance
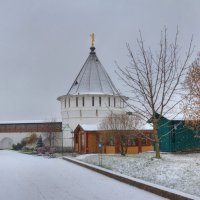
(8, 139)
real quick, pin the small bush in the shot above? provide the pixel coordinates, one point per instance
(27, 149)
(19, 146)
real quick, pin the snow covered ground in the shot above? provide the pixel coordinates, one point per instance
(180, 172)
(27, 177)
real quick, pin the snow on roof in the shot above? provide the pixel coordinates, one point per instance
(95, 127)
(175, 116)
(89, 127)
(93, 79)
(28, 121)
(147, 126)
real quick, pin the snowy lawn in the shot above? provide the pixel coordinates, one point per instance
(180, 172)
(28, 177)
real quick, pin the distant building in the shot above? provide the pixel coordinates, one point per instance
(87, 139)
(14, 132)
(175, 135)
(90, 99)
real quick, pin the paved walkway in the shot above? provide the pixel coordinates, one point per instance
(26, 177)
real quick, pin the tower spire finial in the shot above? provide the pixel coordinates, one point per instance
(92, 39)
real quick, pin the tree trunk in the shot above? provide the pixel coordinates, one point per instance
(157, 147)
(50, 140)
(155, 131)
(122, 149)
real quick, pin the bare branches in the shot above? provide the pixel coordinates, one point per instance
(192, 97)
(155, 79)
(119, 128)
(52, 129)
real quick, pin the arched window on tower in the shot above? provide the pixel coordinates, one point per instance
(114, 102)
(65, 102)
(76, 101)
(83, 101)
(93, 101)
(108, 101)
(99, 101)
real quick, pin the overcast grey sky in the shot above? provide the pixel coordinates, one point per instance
(44, 43)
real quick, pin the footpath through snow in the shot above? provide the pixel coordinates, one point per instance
(27, 177)
(180, 172)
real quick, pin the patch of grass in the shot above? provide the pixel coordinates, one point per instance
(27, 151)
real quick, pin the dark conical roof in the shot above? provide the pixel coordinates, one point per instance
(93, 78)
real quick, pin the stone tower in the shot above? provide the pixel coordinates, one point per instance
(91, 98)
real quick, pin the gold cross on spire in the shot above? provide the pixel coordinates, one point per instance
(92, 39)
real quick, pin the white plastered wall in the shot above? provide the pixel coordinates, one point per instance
(72, 115)
(8, 139)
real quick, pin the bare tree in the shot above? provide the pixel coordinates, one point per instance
(118, 128)
(154, 80)
(192, 96)
(52, 128)
(31, 139)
